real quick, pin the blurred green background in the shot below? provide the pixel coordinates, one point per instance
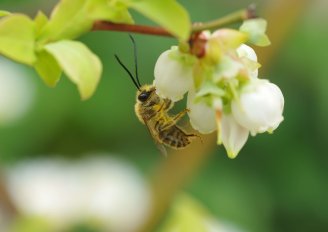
(277, 183)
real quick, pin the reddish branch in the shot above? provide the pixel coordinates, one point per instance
(235, 17)
(142, 29)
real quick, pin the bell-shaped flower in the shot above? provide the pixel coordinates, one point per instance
(231, 134)
(202, 116)
(259, 107)
(249, 58)
(173, 74)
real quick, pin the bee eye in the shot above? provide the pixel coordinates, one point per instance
(143, 96)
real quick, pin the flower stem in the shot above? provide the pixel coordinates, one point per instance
(234, 17)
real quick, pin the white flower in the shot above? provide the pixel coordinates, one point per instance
(16, 92)
(202, 116)
(228, 68)
(248, 55)
(173, 78)
(259, 107)
(232, 135)
(96, 189)
(246, 51)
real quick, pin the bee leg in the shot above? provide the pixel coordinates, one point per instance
(175, 119)
(168, 104)
(180, 115)
(196, 136)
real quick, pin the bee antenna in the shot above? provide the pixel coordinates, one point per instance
(128, 71)
(135, 58)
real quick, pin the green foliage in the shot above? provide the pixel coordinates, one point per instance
(43, 42)
(40, 21)
(256, 30)
(167, 13)
(48, 68)
(80, 65)
(68, 21)
(187, 216)
(72, 18)
(4, 13)
(114, 11)
(17, 38)
(30, 224)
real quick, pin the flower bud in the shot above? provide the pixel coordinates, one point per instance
(173, 76)
(259, 107)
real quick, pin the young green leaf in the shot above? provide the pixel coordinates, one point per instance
(17, 38)
(80, 65)
(68, 20)
(40, 21)
(72, 18)
(256, 30)
(167, 13)
(113, 11)
(48, 68)
(4, 13)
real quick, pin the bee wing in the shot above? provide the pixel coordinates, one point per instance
(160, 146)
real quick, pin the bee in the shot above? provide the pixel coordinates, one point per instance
(153, 111)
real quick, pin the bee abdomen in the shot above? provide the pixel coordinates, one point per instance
(175, 137)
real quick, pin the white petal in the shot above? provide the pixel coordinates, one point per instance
(228, 68)
(260, 107)
(173, 78)
(202, 117)
(247, 52)
(233, 135)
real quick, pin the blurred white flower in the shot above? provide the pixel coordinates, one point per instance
(44, 188)
(16, 92)
(106, 190)
(113, 193)
(173, 78)
(259, 107)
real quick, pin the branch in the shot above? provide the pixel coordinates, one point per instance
(235, 17)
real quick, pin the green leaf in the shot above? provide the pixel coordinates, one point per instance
(80, 65)
(40, 21)
(72, 18)
(256, 31)
(68, 20)
(187, 215)
(167, 13)
(4, 13)
(48, 68)
(113, 11)
(30, 223)
(17, 38)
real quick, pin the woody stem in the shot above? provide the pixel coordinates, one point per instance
(234, 17)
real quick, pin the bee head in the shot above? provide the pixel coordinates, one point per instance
(143, 96)
(145, 92)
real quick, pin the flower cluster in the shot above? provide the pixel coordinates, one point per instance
(220, 73)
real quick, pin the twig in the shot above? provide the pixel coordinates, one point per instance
(235, 17)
